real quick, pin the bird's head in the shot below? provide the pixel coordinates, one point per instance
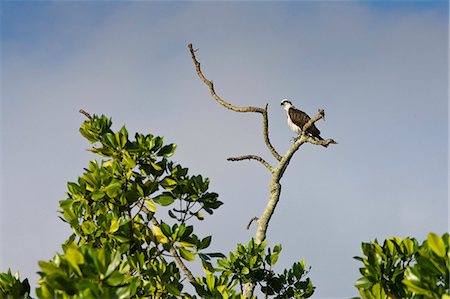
(286, 104)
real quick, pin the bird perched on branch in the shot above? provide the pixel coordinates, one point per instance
(297, 119)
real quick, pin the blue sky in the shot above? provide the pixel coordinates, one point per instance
(379, 69)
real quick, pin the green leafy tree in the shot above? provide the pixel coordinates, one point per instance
(403, 269)
(11, 287)
(119, 247)
(429, 276)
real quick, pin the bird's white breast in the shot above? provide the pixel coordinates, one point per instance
(293, 126)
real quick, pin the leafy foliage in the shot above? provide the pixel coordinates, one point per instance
(83, 272)
(403, 269)
(429, 276)
(11, 287)
(118, 244)
(251, 263)
(122, 248)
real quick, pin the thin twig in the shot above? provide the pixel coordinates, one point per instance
(210, 84)
(251, 221)
(324, 142)
(266, 135)
(252, 157)
(86, 114)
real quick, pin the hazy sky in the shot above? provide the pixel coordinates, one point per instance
(379, 69)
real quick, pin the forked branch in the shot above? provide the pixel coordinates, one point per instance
(215, 96)
(325, 142)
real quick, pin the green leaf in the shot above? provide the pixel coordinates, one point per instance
(207, 267)
(128, 160)
(158, 142)
(409, 246)
(436, 244)
(88, 227)
(110, 140)
(173, 289)
(186, 254)
(277, 248)
(164, 199)
(199, 216)
(166, 229)
(156, 166)
(172, 215)
(113, 189)
(97, 195)
(273, 258)
(216, 254)
(181, 230)
(74, 257)
(115, 279)
(205, 242)
(73, 187)
(167, 150)
(168, 183)
(363, 283)
(150, 205)
(121, 239)
(114, 226)
(210, 281)
(160, 237)
(186, 244)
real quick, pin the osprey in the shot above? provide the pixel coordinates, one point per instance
(297, 119)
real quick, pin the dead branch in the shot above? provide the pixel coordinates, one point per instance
(310, 139)
(86, 114)
(252, 157)
(251, 221)
(229, 106)
(266, 135)
(324, 142)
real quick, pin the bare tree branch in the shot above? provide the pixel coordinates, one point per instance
(251, 221)
(85, 114)
(310, 139)
(227, 105)
(210, 84)
(252, 157)
(319, 115)
(324, 142)
(266, 135)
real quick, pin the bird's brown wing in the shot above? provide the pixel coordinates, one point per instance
(300, 118)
